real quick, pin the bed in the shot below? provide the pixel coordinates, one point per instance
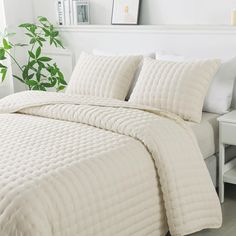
(79, 165)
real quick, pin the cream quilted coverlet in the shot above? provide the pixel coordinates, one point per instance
(72, 165)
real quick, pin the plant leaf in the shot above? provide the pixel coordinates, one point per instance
(31, 54)
(2, 54)
(31, 64)
(2, 66)
(59, 42)
(4, 73)
(60, 88)
(53, 82)
(41, 64)
(6, 45)
(42, 88)
(55, 33)
(30, 76)
(25, 73)
(45, 59)
(20, 45)
(40, 43)
(25, 25)
(42, 19)
(32, 41)
(38, 76)
(61, 78)
(42, 39)
(31, 82)
(46, 31)
(30, 35)
(36, 87)
(32, 29)
(51, 40)
(47, 85)
(38, 52)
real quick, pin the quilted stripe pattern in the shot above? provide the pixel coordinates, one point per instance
(177, 87)
(103, 76)
(97, 145)
(75, 180)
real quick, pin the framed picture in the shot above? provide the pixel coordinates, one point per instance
(125, 12)
(80, 12)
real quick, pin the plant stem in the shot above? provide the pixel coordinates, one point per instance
(9, 54)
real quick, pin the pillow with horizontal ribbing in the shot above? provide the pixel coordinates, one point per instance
(103, 76)
(221, 91)
(136, 74)
(176, 87)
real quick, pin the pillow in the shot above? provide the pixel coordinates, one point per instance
(136, 75)
(103, 76)
(220, 93)
(177, 87)
(166, 57)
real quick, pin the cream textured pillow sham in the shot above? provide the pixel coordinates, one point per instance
(177, 87)
(136, 74)
(103, 76)
(221, 90)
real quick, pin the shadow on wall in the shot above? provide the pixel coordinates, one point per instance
(146, 18)
(100, 13)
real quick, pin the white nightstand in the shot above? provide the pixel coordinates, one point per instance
(227, 171)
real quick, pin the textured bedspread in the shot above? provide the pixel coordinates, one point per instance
(72, 165)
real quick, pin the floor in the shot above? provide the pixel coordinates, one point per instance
(229, 215)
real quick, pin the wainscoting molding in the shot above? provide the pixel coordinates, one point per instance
(152, 29)
(195, 41)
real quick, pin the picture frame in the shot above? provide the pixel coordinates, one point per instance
(81, 12)
(125, 12)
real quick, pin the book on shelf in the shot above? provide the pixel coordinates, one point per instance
(60, 12)
(73, 12)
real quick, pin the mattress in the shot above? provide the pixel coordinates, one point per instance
(207, 134)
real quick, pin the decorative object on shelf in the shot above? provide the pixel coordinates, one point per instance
(233, 17)
(61, 12)
(73, 12)
(125, 12)
(80, 12)
(39, 72)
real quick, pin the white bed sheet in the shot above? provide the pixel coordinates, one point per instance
(207, 134)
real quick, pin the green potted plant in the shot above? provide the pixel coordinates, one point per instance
(39, 72)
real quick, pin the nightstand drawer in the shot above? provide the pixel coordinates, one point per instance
(228, 133)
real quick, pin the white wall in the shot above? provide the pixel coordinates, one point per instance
(187, 11)
(6, 87)
(156, 11)
(18, 12)
(171, 12)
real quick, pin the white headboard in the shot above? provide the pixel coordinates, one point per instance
(194, 41)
